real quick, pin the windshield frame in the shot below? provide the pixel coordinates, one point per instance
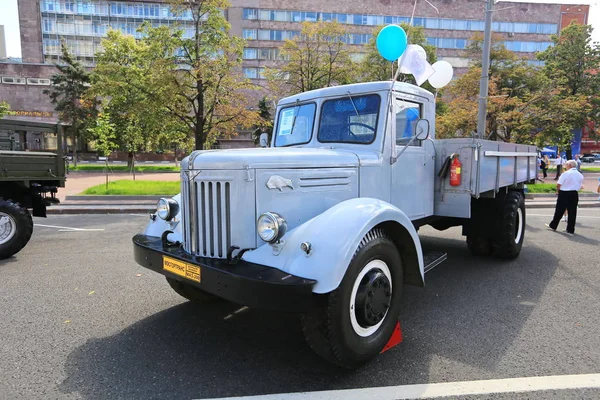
(279, 113)
(352, 99)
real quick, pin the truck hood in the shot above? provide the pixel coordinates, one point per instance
(272, 157)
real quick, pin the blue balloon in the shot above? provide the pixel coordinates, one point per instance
(391, 42)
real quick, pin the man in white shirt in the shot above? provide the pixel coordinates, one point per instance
(568, 184)
(558, 163)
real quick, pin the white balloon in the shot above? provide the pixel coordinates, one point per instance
(421, 51)
(443, 74)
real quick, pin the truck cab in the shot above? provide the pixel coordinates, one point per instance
(324, 221)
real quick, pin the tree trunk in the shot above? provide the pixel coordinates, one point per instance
(569, 153)
(199, 137)
(75, 149)
(106, 169)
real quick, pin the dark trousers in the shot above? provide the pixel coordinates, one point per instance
(567, 200)
(558, 171)
(544, 169)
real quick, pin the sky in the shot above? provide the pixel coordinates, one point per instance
(9, 17)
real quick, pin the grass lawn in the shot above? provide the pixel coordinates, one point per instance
(546, 188)
(125, 168)
(584, 168)
(135, 188)
(542, 188)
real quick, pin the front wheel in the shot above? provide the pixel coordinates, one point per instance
(16, 227)
(354, 322)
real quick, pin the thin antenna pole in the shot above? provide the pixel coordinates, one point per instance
(485, 71)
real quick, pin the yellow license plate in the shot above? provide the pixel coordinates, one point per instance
(183, 269)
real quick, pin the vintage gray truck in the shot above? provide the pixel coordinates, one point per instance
(28, 180)
(324, 221)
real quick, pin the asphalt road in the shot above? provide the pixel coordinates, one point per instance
(79, 319)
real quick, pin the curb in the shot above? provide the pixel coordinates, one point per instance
(553, 195)
(113, 197)
(89, 210)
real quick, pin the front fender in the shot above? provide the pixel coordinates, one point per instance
(334, 236)
(157, 226)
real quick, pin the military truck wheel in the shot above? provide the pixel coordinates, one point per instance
(192, 293)
(509, 239)
(479, 246)
(16, 227)
(354, 322)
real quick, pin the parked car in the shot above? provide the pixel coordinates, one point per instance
(588, 158)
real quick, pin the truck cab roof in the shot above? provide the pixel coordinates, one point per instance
(357, 88)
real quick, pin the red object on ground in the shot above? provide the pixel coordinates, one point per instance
(395, 339)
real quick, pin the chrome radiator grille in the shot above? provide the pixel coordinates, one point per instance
(206, 217)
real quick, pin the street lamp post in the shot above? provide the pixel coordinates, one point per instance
(485, 71)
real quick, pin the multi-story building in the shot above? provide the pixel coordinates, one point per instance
(525, 28)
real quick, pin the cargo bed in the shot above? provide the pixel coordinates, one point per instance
(487, 168)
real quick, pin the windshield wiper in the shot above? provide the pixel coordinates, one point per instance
(352, 101)
(294, 119)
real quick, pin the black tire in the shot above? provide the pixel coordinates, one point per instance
(508, 240)
(23, 225)
(479, 246)
(328, 328)
(192, 293)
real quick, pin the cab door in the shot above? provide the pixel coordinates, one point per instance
(409, 178)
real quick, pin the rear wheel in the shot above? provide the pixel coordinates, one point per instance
(354, 322)
(508, 240)
(192, 293)
(16, 227)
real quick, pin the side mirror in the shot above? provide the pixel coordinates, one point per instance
(264, 140)
(422, 129)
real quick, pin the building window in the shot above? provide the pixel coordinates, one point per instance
(249, 34)
(250, 53)
(38, 81)
(13, 81)
(250, 13)
(250, 73)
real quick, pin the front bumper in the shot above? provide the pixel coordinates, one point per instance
(245, 283)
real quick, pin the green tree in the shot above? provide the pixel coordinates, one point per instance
(572, 66)
(210, 95)
(516, 90)
(4, 107)
(265, 124)
(105, 137)
(68, 94)
(316, 58)
(373, 67)
(137, 107)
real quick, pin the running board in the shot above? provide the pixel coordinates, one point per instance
(432, 259)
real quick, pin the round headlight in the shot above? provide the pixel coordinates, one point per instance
(271, 227)
(166, 209)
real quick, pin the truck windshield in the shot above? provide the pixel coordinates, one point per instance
(352, 119)
(295, 125)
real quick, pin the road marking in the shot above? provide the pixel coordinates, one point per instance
(446, 389)
(68, 229)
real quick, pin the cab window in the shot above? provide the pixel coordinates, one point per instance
(295, 125)
(407, 115)
(351, 119)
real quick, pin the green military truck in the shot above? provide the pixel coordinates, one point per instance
(29, 180)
